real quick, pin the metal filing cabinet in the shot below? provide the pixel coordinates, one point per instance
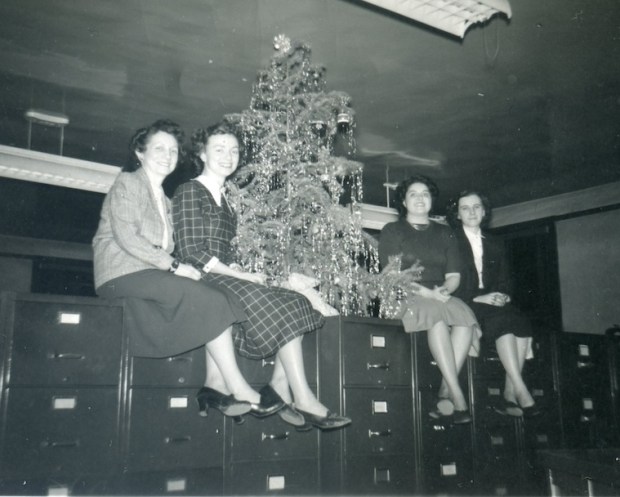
(170, 448)
(61, 394)
(585, 391)
(269, 456)
(444, 449)
(366, 372)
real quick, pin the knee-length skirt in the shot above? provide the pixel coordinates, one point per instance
(498, 321)
(423, 313)
(275, 315)
(167, 315)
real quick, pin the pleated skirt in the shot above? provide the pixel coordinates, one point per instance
(423, 313)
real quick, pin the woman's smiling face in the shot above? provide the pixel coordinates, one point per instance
(221, 155)
(470, 211)
(418, 199)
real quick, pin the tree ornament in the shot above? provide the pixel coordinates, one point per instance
(282, 43)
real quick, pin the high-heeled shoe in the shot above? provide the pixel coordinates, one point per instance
(531, 411)
(226, 404)
(331, 421)
(461, 417)
(270, 403)
(508, 408)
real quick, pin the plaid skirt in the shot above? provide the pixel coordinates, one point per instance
(275, 315)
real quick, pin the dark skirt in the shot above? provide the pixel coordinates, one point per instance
(275, 315)
(167, 315)
(498, 321)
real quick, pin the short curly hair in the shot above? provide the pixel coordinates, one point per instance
(141, 138)
(452, 208)
(403, 186)
(201, 136)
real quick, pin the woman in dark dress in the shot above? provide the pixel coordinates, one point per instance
(450, 323)
(485, 286)
(205, 224)
(168, 309)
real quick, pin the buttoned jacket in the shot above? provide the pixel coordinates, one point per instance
(495, 274)
(131, 230)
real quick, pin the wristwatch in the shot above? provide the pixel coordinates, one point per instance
(174, 266)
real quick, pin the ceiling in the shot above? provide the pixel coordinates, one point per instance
(522, 108)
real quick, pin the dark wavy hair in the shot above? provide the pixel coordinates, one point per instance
(141, 138)
(452, 208)
(401, 191)
(201, 136)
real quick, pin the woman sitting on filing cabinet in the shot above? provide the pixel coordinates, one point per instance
(414, 237)
(205, 224)
(168, 309)
(485, 286)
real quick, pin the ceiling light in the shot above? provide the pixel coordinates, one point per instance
(452, 16)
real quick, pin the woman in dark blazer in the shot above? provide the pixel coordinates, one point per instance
(485, 286)
(168, 309)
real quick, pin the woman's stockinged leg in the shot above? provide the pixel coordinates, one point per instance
(279, 381)
(222, 352)
(440, 343)
(511, 352)
(461, 338)
(293, 364)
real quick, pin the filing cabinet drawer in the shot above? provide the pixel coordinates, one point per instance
(284, 477)
(447, 471)
(183, 370)
(205, 481)
(383, 421)
(375, 354)
(167, 432)
(496, 444)
(69, 485)
(258, 372)
(66, 343)
(380, 475)
(60, 431)
(271, 438)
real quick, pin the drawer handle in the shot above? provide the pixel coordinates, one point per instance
(180, 359)
(386, 433)
(66, 355)
(584, 364)
(265, 363)
(174, 440)
(378, 365)
(61, 445)
(277, 436)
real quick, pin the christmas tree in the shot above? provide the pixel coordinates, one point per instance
(297, 201)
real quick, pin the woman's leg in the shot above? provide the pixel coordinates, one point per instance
(450, 351)
(293, 365)
(511, 351)
(222, 352)
(279, 381)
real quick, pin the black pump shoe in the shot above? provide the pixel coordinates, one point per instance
(270, 403)
(461, 417)
(330, 421)
(226, 404)
(531, 411)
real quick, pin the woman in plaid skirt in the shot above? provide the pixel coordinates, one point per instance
(204, 225)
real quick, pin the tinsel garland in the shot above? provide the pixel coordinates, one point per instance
(298, 204)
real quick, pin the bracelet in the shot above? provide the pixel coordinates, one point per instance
(174, 266)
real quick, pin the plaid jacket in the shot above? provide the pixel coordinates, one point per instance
(130, 230)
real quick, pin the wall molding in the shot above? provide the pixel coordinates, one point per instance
(40, 167)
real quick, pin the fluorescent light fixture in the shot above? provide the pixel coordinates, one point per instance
(452, 16)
